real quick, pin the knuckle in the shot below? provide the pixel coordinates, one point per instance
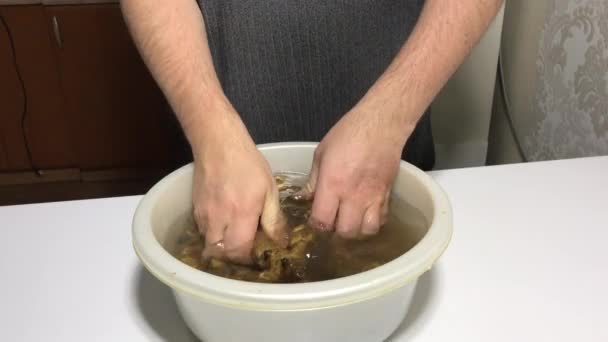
(335, 176)
(226, 202)
(249, 204)
(370, 193)
(373, 188)
(333, 183)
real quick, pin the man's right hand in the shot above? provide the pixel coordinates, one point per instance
(233, 190)
(233, 185)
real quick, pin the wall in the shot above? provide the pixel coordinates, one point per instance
(555, 58)
(462, 111)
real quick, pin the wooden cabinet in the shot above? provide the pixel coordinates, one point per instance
(78, 104)
(90, 102)
(45, 123)
(118, 116)
(13, 155)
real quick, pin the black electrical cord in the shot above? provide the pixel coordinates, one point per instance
(24, 91)
(507, 108)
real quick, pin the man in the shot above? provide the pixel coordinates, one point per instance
(356, 75)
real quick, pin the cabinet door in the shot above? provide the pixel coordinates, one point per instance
(45, 122)
(119, 116)
(13, 156)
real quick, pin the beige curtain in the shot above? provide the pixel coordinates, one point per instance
(555, 59)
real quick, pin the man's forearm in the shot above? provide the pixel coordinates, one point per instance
(172, 40)
(444, 35)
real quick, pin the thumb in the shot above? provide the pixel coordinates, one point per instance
(273, 221)
(308, 191)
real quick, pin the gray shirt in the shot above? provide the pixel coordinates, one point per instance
(292, 68)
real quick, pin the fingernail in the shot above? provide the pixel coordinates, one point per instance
(319, 225)
(301, 195)
(215, 250)
(349, 234)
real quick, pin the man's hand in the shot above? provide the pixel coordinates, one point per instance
(233, 190)
(233, 185)
(356, 163)
(353, 171)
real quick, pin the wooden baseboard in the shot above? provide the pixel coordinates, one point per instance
(44, 176)
(122, 174)
(67, 175)
(72, 184)
(66, 191)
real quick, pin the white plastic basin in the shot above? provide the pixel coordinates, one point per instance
(367, 306)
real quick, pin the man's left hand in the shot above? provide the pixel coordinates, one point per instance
(354, 168)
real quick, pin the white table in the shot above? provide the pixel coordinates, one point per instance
(528, 262)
